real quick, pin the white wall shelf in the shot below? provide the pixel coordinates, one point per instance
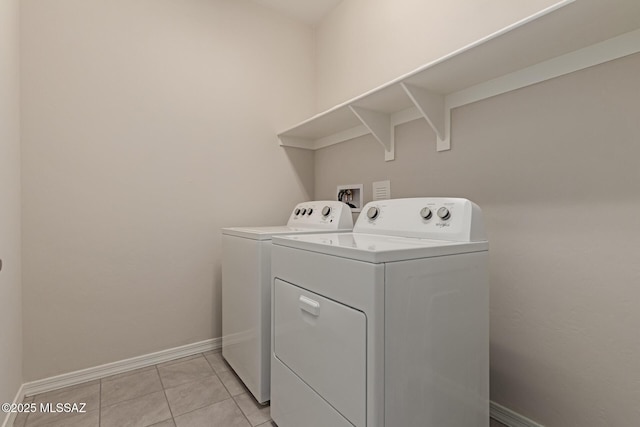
(563, 38)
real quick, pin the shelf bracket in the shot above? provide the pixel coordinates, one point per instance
(432, 107)
(379, 124)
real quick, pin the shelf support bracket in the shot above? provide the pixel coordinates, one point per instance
(379, 124)
(432, 107)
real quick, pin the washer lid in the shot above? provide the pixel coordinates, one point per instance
(265, 233)
(376, 248)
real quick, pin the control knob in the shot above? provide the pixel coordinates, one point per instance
(297, 211)
(303, 211)
(372, 213)
(309, 211)
(426, 213)
(444, 213)
(326, 211)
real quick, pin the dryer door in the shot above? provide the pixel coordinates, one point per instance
(324, 343)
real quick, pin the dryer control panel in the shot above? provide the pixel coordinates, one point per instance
(438, 218)
(325, 214)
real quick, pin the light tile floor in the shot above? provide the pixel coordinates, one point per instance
(195, 391)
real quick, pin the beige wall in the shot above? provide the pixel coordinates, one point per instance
(555, 169)
(148, 125)
(10, 287)
(362, 44)
(145, 131)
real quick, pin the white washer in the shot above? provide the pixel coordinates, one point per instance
(384, 326)
(246, 289)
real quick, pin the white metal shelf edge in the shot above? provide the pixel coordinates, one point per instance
(287, 137)
(436, 108)
(338, 137)
(599, 53)
(433, 63)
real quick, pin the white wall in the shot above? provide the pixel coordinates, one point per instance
(554, 167)
(10, 287)
(148, 126)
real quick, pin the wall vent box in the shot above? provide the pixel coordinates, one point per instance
(382, 190)
(351, 195)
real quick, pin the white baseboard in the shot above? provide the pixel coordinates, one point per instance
(89, 374)
(510, 418)
(498, 412)
(11, 416)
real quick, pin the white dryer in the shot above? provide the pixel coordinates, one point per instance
(246, 288)
(384, 326)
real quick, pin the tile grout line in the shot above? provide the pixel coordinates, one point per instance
(241, 410)
(100, 404)
(55, 393)
(215, 374)
(218, 376)
(198, 409)
(26, 420)
(226, 388)
(156, 368)
(100, 382)
(164, 391)
(150, 368)
(230, 394)
(132, 398)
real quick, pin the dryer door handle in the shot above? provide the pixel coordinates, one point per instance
(310, 306)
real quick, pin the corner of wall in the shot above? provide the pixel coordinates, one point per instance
(11, 375)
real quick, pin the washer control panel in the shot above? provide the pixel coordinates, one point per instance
(438, 218)
(326, 214)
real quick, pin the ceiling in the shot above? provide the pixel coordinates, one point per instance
(309, 11)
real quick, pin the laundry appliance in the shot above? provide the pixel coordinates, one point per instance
(246, 289)
(384, 326)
